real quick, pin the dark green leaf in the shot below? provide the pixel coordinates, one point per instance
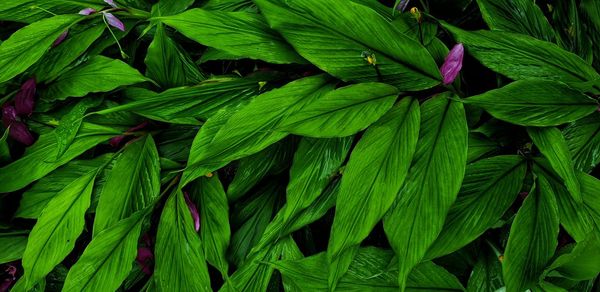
(520, 16)
(583, 139)
(13, 245)
(29, 11)
(487, 274)
(70, 123)
(580, 263)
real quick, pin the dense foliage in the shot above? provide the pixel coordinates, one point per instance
(299, 145)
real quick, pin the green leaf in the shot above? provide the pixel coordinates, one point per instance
(26, 46)
(580, 263)
(170, 7)
(98, 74)
(479, 147)
(489, 188)
(373, 177)
(250, 129)
(58, 227)
(432, 184)
(168, 64)
(39, 160)
(342, 112)
(535, 103)
(70, 123)
(215, 232)
(13, 245)
(487, 273)
(29, 11)
(533, 238)
(79, 39)
(108, 258)
(35, 199)
(180, 262)
(4, 150)
(523, 57)
(583, 139)
(370, 271)
(133, 184)
(520, 16)
(319, 31)
(248, 34)
(553, 146)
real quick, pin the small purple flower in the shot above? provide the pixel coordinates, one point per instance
(9, 115)
(25, 98)
(11, 271)
(111, 3)
(402, 5)
(60, 38)
(114, 21)
(18, 130)
(453, 64)
(87, 11)
(194, 211)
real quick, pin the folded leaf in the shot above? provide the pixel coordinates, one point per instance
(488, 190)
(432, 184)
(26, 46)
(321, 33)
(24, 11)
(533, 238)
(581, 263)
(535, 103)
(583, 139)
(373, 177)
(247, 33)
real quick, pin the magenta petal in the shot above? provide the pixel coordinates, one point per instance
(60, 38)
(87, 11)
(9, 115)
(20, 133)
(453, 64)
(114, 21)
(111, 3)
(25, 98)
(194, 211)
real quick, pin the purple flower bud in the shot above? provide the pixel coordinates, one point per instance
(60, 38)
(111, 3)
(194, 211)
(114, 21)
(402, 5)
(25, 98)
(144, 259)
(11, 271)
(87, 11)
(453, 64)
(9, 115)
(20, 133)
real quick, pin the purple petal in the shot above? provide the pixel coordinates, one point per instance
(114, 21)
(25, 98)
(453, 64)
(60, 38)
(87, 11)
(194, 211)
(402, 5)
(9, 115)
(111, 3)
(20, 133)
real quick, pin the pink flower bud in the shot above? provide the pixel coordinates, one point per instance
(60, 38)
(9, 115)
(20, 133)
(402, 5)
(114, 21)
(453, 64)
(87, 11)
(194, 211)
(25, 98)
(111, 3)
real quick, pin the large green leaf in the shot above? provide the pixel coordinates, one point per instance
(170, 7)
(533, 238)
(334, 35)
(488, 190)
(133, 184)
(29, 11)
(180, 262)
(40, 159)
(26, 46)
(342, 112)
(535, 103)
(13, 245)
(98, 74)
(523, 57)
(58, 227)
(582, 262)
(108, 258)
(583, 139)
(247, 33)
(250, 128)
(487, 273)
(553, 146)
(432, 184)
(168, 64)
(373, 177)
(70, 123)
(35, 199)
(520, 16)
(215, 231)
(371, 270)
